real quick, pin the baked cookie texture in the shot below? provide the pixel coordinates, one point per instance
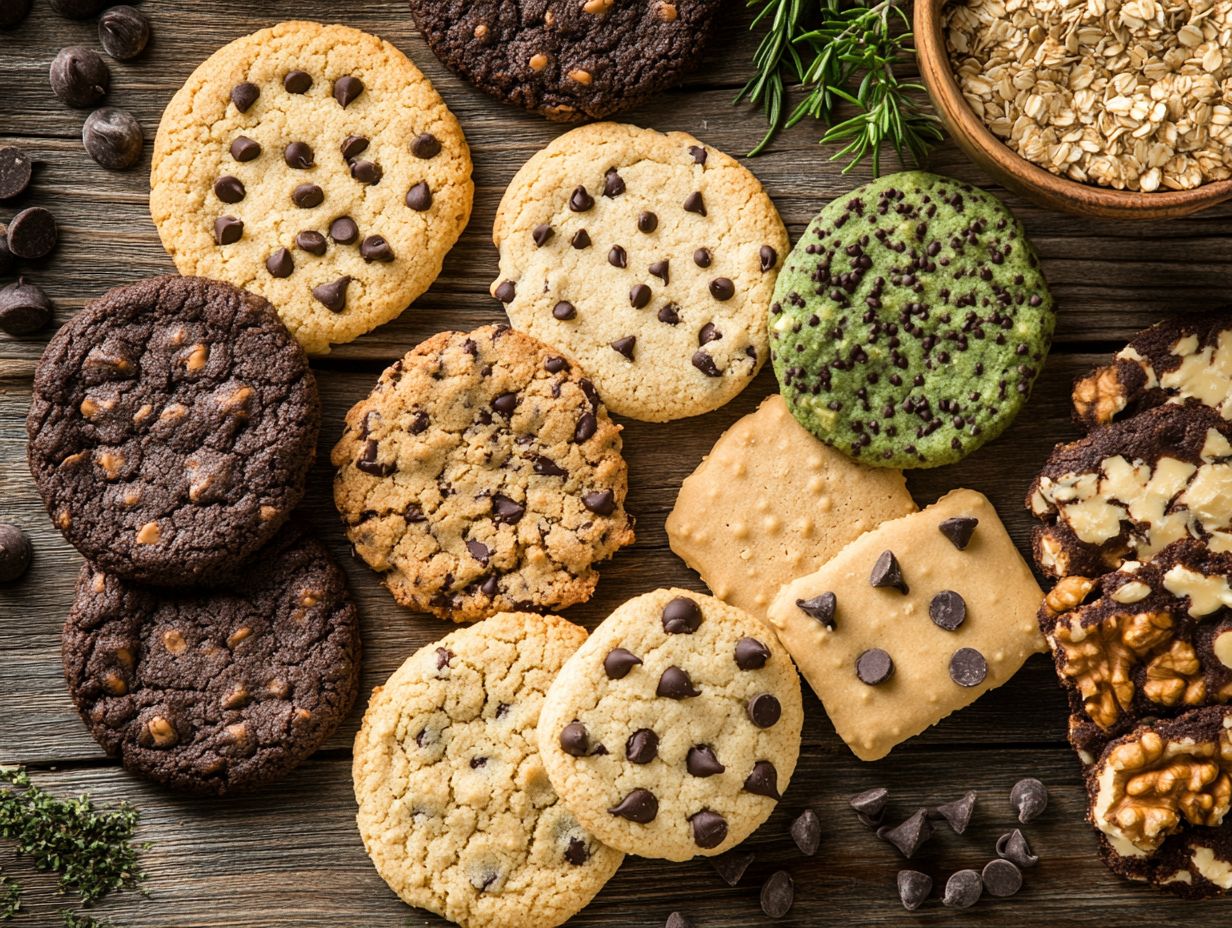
(770, 503)
(1129, 489)
(650, 258)
(217, 691)
(1180, 360)
(483, 475)
(171, 429)
(455, 808)
(912, 621)
(675, 728)
(315, 165)
(910, 321)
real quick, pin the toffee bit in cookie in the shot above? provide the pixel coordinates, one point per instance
(694, 203)
(959, 530)
(958, 813)
(642, 746)
(299, 155)
(425, 146)
(968, 667)
(618, 663)
(506, 290)
(613, 184)
(564, 311)
(767, 258)
(731, 867)
(307, 196)
(722, 289)
(375, 248)
(245, 149)
(343, 230)
(640, 805)
(542, 234)
(419, 197)
(618, 257)
(887, 573)
(751, 654)
(574, 740)
(701, 761)
(821, 607)
(675, 683)
(580, 239)
(625, 346)
(312, 242)
(1028, 798)
(244, 95)
(681, 616)
(1013, 847)
(914, 888)
(227, 230)
(910, 834)
(806, 832)
(280, 264)
(777, 894)
(962, 890)
(333, 295)
(229, 189)
(705, 363)
(709, 828)
(764, 710)
(1001, 878)
(948, 610)
(763, 780)
(874, 666)
(347, 89)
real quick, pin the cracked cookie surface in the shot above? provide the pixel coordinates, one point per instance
(483, 475)
(455, 808)
(674, 729)
(217, 691)
(172, 427)
(313, 164)
(650, 258)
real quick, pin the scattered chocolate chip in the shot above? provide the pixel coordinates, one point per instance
(505, 403)
(625, 346)
(245, 149)
(708, 333)
(642, 746)
(676, 684)
(1001, 878)
(79, 76)
(297, 81)
(333, 295)
(229, 189)
(298, 155)
(15, 552)
(443, 657)
(913, 888)
(546, 467)
(353, 146)
(888, 573)
(1028, 798)
(375, 248)
(647, 221)
(948, 610)
(820, 607)
(968, 667)
(763, 710)
(698, 153)
(806, 832)
(580, 239)
(704, 363)
(580, 200)
(962, 890)
(751, 654)
(959, 530)
(1013, 847)
(702, 257)
(311, 242)
(777, 894)
(639, 296)
(874, 666)
(585, 429)
(244, 95)
(227, 230)
(280, 264)
(619, 662)
(763, 780)
(343, 230)
(639, 806)
(958, 812)
(910, 834)
(694, 203)
(16, 169)
(24, 309)
(347, 89)
(564, 311)
(871, 802)
(701, 761)
(306, 196)
(542, 234)
(669, 314)
(659, 269)
(368, 461)
(709, 828)
(425, 146)
(731, 866)
(419, 197)
(575, 740)
(676, 920)
(506, 290)
(613, 184)
(618, 257)
(13, 12)
(577, 853)
(32, 233)
(681, 616)
(768, 258)
(721, 288)
(506, 510)
(555, 365)
(366, 172)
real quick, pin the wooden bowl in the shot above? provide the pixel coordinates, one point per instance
(1014, 171)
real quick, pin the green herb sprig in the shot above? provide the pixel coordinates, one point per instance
(842, 53)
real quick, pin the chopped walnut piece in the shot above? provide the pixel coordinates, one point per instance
(1175, 678)
(1099, 396)
(1069, 593)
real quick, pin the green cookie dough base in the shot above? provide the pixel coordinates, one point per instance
(910, 321)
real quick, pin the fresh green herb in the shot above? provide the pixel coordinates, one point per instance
(842, 52)
(82, 920)
(10, 898)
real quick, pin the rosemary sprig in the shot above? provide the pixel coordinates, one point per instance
(842, 53)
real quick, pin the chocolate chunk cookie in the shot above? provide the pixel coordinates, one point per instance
(910, 321)
(1131, 488)
(455, 809)
(171, 430)
(675, 728)
(568, 61)
(313, 164)
(1184, 359)
(483, 475)
(217, 691)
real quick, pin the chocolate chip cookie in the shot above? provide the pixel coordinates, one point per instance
(455, 809)
(317, 166)
(675, 728)
(650, 258)
(171, 429)
(217, 691)
(483, 475)
(568, 61)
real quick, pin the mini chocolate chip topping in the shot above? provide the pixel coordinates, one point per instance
(244, 95)
(701, 761)
(647, 222)
(820, 607)
(676, 684)
(968, 667)
(580, 239)
(1001, 878)
(280, 264)
(375, 248)
(575, 740)
(722, 289)
(702, 257)
(639, 296)
(709, 828)
(957, 814)
(542, 234)
(312, 242)
(298, 155)
(353, 146)
(948, 610)
(613, 184)
(245, 149)
(910, 834)
(347, 89)
(914, 888)
(506, 510)
(306, 196)
(704, 363)
(343, 230)
(419, 197)
(506, 291)
(618, 257)
(1013, 847)
(659, 270)
(874, 666)
(695, 204)
(227, 230)
(425, 146)
(731, 867)
(333, 295)
(764, 710)
(887, 573)
(777, 894)
(806, 832)
(640, 806)
(366, 172)
(669, 314)
(580, 200)
(962, 890)
(698, 153)
(681, 616)
(577, 853)
(564, 311)
(297, 81)
(959, 530)
(763, 780)
(625, 346)
(642, 746)
(767, 257)
(229, 189)
(751, 654)
(1028, 798)
(619, 662)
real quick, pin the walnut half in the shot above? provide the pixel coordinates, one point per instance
(1099, 396)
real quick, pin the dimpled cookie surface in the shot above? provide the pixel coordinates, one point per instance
(910, 321)
(217, 691)
(481, 475)
(675, 728)
(313, 164)
(172, 427)
(651, 258)
(455, 808)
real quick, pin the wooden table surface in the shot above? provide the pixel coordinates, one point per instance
(289, 855)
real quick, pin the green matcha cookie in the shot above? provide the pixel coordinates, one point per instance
(910, 321)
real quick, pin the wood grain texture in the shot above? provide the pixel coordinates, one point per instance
(290, 855)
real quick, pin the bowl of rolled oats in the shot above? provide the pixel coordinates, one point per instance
(1117, 108)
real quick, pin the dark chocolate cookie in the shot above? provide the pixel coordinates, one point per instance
(172, 427)
(569, 61)
(217, 691)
